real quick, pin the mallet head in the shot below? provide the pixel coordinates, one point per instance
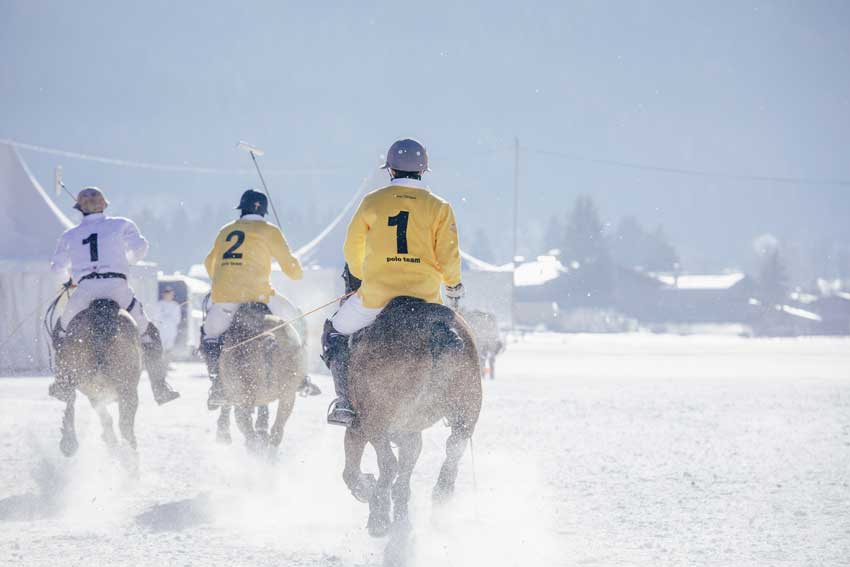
(249, 148)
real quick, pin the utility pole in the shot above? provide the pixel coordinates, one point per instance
(516, 199)
(514, 259)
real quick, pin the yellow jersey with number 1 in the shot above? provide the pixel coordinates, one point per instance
(240, 263)
(403, 241)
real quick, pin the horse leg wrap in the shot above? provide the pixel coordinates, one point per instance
(211, 349)
(336, 354)
(152, 353)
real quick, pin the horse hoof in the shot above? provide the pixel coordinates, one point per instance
(69, 446)
(365, 487)
(223, 438)
(379, 525)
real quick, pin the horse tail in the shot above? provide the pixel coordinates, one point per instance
(103, 317)
(444, 339)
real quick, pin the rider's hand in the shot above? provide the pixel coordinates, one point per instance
(455, 291)
(454, 294)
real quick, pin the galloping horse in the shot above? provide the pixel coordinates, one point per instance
(101, 356)
(260, 363)
(415, 365)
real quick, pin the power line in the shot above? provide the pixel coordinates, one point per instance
(693, 172)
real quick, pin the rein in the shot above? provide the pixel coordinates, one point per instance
(269, 332)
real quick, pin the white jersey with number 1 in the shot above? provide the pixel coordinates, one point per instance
(99, 244)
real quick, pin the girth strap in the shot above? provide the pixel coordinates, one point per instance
(103, 276)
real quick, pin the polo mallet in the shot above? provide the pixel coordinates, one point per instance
(254, 151)
(59, 185)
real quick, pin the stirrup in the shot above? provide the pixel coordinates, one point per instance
(337, 415)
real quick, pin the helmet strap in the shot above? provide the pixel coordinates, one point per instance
(405, 174)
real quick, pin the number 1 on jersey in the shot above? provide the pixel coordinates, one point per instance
(400, 222)
(92, 242)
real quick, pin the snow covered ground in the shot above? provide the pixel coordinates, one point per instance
(591, 450)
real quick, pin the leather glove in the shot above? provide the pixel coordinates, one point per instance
(455, 291)
(454, 294)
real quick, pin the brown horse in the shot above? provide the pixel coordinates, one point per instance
(415, 365)
(260, 364)
(101, 356)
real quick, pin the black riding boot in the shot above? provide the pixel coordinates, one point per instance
(152, 354)
(62, 389)
(336, 353)
(211, 349)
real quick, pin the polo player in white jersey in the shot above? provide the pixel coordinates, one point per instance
(98, 252)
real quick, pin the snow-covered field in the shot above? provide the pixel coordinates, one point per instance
(591, 450)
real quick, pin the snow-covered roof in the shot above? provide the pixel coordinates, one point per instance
(198, 271)
(29, 229)
(801, 313)
(194, 285)
(538, 272)
(700, 281)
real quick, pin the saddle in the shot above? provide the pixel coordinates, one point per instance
(407, 316)
(249, 321)
(251, 314)
(103, 317)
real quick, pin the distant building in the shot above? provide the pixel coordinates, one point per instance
(834, 311)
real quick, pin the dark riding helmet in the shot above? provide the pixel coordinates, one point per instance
(253, 203)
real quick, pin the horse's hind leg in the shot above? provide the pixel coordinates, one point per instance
(244, 421)
(261, 426)
(455, 447)
(108, 433)
(409, 449)
(284, 410)
(379, 505)
(222, 434)
(362, 486)
(128, 404)
(69, 444)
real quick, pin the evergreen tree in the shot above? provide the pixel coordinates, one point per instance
(773, 278)
(660, 255)
(633, 246)
(584, 237)
(553, 238)
(586, 244)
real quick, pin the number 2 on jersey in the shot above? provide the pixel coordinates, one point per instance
(231, 252)
(400, 222)
(92, 242)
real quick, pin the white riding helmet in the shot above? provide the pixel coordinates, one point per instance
(91, 200)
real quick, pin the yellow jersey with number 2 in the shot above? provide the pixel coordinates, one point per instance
(403, 241)
(240, 263)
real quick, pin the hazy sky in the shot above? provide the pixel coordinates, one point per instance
(760, 88)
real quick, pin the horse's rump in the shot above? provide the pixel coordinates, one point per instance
(101, 352)
(416, 364)
(259, 361)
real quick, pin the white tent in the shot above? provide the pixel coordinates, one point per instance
(29, 224)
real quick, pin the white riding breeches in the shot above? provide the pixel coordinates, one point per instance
(353, 316)
(115, 289)
(221, 315)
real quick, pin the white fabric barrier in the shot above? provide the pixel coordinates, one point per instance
(26, 290)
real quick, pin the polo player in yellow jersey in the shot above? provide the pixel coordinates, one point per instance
(402, 241)
(239, 266)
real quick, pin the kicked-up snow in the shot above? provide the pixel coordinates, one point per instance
(591, 450)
